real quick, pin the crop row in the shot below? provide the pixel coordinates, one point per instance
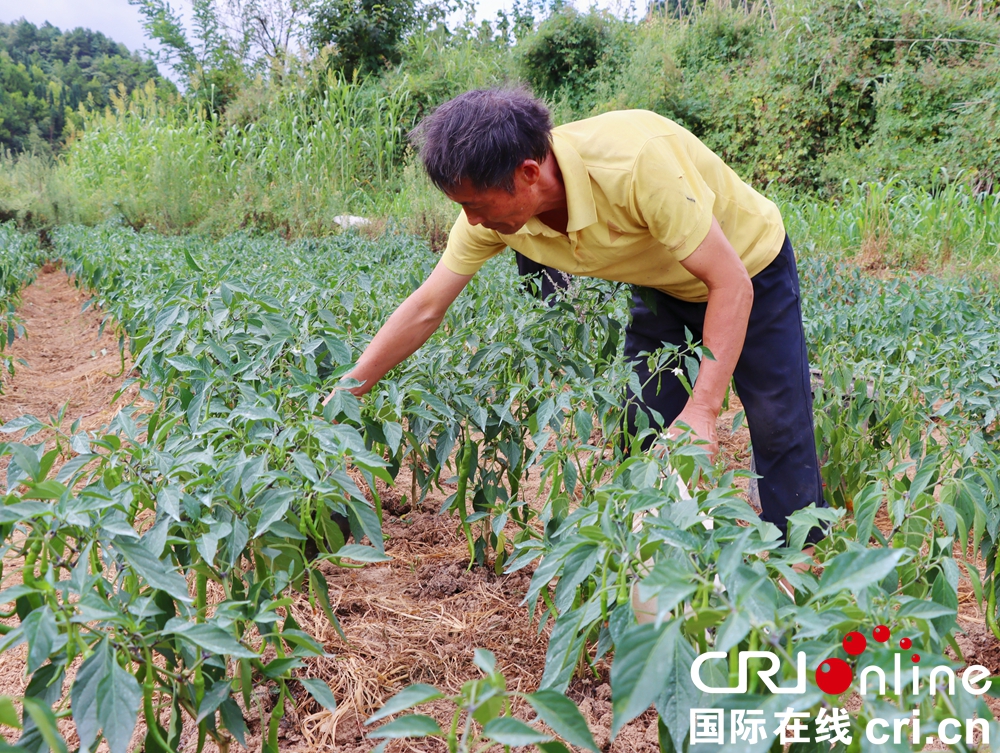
(19, 257)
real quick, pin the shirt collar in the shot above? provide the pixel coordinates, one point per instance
(581, 207)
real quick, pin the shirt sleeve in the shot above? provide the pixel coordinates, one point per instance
(671, 197)
(469, 247)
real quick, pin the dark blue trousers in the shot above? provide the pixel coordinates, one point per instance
(771, 376)
(772, 379)
(541, 280)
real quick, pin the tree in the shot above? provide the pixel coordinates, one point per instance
(365, 34)
(231, 40)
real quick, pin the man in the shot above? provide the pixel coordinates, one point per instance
(632, 197)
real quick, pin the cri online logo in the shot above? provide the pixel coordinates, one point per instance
(834, 676)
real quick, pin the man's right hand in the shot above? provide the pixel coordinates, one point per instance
(407, 328)
(329, 397)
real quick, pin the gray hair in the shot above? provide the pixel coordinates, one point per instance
(481, 137)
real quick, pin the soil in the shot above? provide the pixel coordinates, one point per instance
(417, 618)
(67, 359)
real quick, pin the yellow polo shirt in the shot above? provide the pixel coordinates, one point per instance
(641, 192)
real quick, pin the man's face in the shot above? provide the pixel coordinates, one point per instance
(497, 209)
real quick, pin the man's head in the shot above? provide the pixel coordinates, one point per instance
(485, 149)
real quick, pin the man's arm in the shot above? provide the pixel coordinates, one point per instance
(730, 297)
(408, 328)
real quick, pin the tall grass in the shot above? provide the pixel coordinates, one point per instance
(31, 189)
(20, 255)
(303, 161)
(896, 223)
(146, 160)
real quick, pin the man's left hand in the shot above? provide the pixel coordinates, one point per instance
(702, 422)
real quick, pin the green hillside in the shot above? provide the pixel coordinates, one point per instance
(46, 74)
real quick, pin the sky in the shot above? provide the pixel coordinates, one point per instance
(121, 21)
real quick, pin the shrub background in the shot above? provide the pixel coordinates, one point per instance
(805, 98)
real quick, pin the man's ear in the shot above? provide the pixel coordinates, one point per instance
(530, 171)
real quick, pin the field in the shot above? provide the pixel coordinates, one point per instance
(197, 554)
(175, 577)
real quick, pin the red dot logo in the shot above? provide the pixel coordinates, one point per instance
(834, 676)
(855, 643)
(915, 658)
(881, 633)
(905, 644)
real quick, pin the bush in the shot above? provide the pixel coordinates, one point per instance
(365, 34)
(841, 90)
(719, 37)
(566, 52)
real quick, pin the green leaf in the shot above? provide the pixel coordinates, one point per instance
(168, 499)
(563, 716)
(304, 643)
(944, 594)
(156, 572)
(924, 610)
(305, 466)
(45, 723)
(48, 489)
(280, 667)
(678, 695)
(364, 520)
(43, 636)
(195, 266)
(393, 433)
(9, 717)
(118, 701)
(554, 746)
(184, 364)
(802, 521)
(70, 467)
(27, 459)
(639, 664)
(360, 553)
(576, 568)
(255, 413)
(14, 593)
(928, 468)
(733, 630)
(855, 570)
(866, 505)
(213, 698)
(638, 675)
(274, 505)
(413, 725)
(322, 592)
(84, 694)
(320, 691)
(668, 584)
(215, 640)
(485, 660)
(232, 719)
(16, 424)
(406, 698)
(513, 732)
(566, 643)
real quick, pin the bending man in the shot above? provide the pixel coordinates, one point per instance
(631, 197)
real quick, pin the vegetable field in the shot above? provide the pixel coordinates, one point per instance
(154, 569)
